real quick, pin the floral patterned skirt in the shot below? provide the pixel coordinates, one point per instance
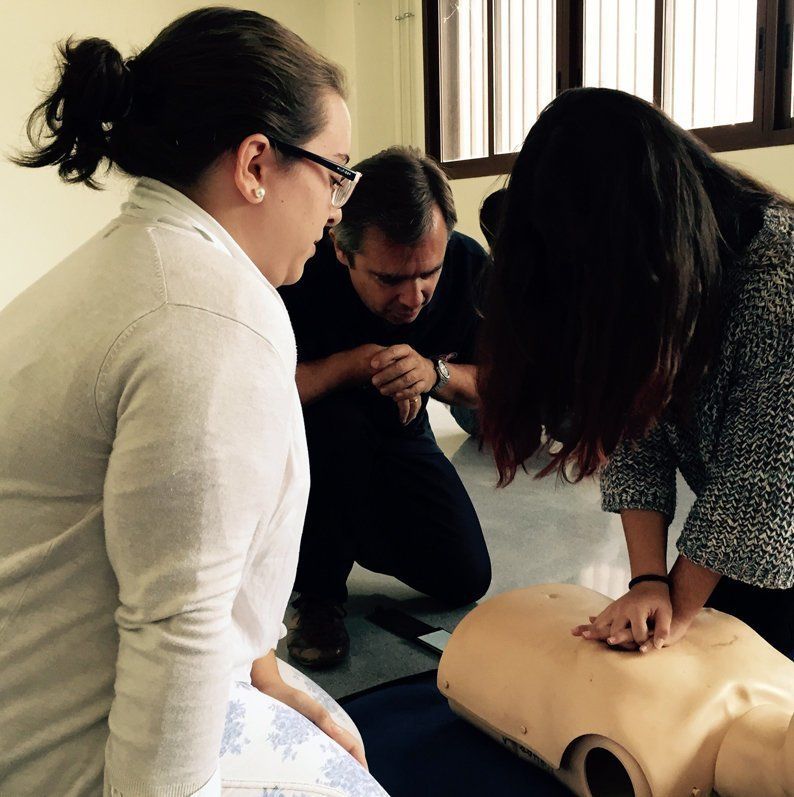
(270, 750)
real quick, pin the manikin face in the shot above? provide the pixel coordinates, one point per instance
(395, 282)
(297, 205)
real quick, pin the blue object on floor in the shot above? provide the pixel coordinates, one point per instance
(417, 747)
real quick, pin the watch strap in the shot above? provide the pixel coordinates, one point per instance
(441, 380)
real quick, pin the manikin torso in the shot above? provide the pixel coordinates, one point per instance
(709, 715)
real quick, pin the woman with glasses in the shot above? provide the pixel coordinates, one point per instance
(642, 313)
(153, 467)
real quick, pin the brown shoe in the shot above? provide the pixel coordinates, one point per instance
(316, 635)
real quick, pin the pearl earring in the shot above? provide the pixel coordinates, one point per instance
(260, 193)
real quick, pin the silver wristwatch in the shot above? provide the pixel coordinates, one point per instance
(442, 375)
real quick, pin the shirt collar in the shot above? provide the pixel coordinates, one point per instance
(154, 201)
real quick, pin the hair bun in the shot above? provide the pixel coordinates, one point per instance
(96, 83)
(77, 118)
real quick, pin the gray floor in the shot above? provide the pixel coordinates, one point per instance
(538, 531)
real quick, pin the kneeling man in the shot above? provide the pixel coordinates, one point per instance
(385, 316)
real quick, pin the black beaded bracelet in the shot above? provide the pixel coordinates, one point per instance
(650, 577)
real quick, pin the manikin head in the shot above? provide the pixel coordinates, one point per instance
(214, 108)
(394, 235)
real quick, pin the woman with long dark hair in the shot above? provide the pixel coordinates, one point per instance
(153, 466)
(642, 315)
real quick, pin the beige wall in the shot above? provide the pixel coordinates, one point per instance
(359, 37)
(338, 44)
(364, 37)
(772, 165)
(374, 58)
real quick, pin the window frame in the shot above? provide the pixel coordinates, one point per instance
(772, 124)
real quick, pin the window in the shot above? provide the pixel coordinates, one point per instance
(721, 68)
(525, 79)
(619, 46)
(709, 62)
(464, 81)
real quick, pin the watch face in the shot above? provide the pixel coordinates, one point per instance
(442, 367)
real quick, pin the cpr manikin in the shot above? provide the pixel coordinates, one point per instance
(710, 715)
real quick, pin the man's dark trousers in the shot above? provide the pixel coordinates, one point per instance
(390, 500)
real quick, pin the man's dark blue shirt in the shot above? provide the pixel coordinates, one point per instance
(328, 316)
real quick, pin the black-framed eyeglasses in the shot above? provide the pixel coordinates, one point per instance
(342, 188)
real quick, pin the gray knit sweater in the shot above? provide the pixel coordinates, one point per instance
(738, 454)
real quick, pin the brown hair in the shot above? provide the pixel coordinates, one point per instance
(396, 195)
(208, 80)
(606, 300)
